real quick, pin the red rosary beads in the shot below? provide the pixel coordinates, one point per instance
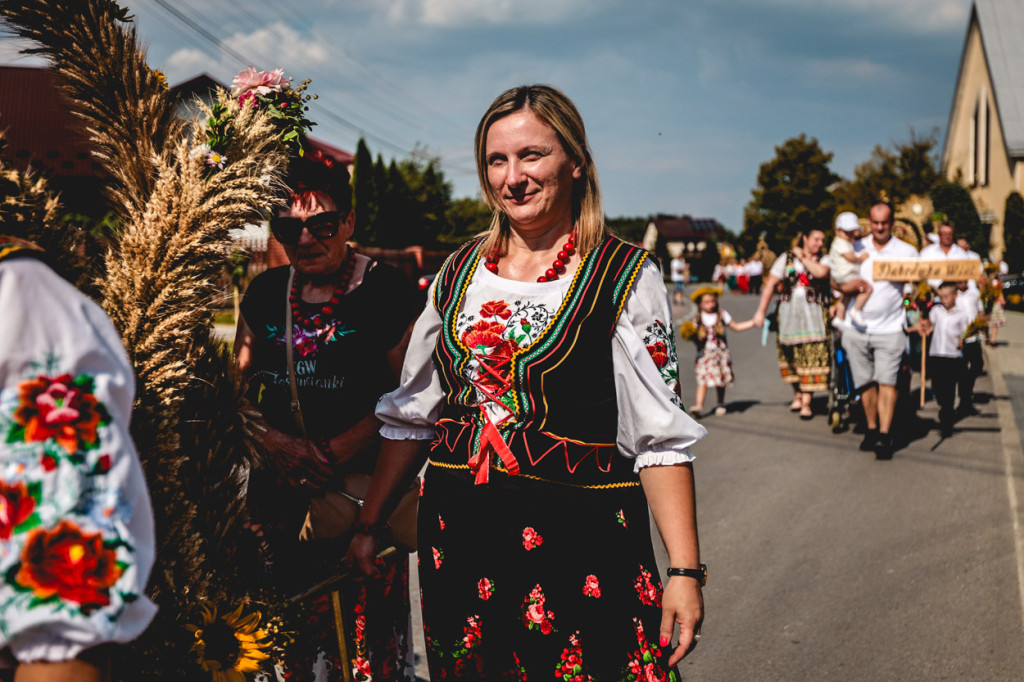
(327, 310)
(557, 266)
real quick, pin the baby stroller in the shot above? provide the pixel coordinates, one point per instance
(841, 393)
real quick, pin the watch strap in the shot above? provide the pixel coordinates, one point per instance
(700, 574)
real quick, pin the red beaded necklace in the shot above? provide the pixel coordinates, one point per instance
(557, 266)
(314, 321)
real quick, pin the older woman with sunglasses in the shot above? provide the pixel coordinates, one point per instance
(349, 317)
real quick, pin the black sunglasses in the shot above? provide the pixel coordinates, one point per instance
(322, 226)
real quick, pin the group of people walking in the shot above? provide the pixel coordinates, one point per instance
(820, 298)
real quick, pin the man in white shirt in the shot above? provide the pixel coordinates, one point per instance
(875, 356)
(945, 249)
(969, 301)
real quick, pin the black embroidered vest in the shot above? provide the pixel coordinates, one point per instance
(562, 385)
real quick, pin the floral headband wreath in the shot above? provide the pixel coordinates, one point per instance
(705, 291)
(270, 91)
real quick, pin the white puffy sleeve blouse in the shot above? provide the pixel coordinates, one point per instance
(76, 526)
(653, 427)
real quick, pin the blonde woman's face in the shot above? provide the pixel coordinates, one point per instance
(530, 173)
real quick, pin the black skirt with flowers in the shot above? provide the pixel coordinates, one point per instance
(531, 579)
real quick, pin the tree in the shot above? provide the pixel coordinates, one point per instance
(364, 194)
(895, 172)
(1013, 232)
(395, 213)
(465, 218)
(629, 229)
(792, 195)
(954, 203)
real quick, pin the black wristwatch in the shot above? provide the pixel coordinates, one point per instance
(701, 573)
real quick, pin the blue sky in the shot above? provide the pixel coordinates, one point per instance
(683, 99)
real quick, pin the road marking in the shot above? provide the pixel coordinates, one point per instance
(1010, 437)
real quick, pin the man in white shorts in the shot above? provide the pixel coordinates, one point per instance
(875, 356)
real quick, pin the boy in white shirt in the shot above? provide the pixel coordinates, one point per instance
(945, 355)
(846, 262)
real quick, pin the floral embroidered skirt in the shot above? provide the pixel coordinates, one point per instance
(529, 579)
(714, 366)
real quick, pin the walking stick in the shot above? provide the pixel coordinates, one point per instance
(924, 354)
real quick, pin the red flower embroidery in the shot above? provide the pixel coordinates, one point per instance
(48, 462)
(570, 668)
(647, 591)
(67, 563)
(659, 353)
(531, 538)
(591, 588)
(485, 588)
(440, 521)
(16, 505)
(803, 279)
(495, 309)
(61, 409)
(620, 516)
(484, 334)
(438, 557)
(642, 664)
(535, 616)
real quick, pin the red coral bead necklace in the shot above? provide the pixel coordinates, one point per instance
(316, 320)
(557, 266)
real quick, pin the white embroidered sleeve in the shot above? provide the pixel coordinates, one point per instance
(654, 429)
(411, 410)
(76, 528)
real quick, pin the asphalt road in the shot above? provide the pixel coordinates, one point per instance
(826, 564)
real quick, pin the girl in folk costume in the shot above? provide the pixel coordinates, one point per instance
(714, 362)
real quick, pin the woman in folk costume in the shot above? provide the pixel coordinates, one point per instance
(347, 350)
(542, 376)
(799, 279)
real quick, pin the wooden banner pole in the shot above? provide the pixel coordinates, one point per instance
(924, 374)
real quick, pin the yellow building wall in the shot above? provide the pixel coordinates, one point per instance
(1004, 175)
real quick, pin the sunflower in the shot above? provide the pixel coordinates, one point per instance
(230, 646)
(688, 331)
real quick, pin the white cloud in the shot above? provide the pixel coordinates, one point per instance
(914, 16)
(466, 13)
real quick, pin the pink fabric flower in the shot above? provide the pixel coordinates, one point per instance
(485, 588)
(260, 82)
(437, 557)
(592, 588)
(535, 612)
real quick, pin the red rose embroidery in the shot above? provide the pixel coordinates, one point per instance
(495, 309)
(647, 591)
(591, 588)
(485, 588)
(66, 563)
(659, 353)
(803, 279)
(642, 666)
(440, 522)
(571, 667)
(484, 334)
(535, 616)
(16, 505)
(438, 557)
(60, 409)
(531, 538)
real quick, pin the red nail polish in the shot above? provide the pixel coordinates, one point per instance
(664, 641)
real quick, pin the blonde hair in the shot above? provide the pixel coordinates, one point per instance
(555, 109)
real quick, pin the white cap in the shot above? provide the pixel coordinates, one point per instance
(847, 222)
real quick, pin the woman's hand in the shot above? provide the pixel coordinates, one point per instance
(682, 603)
(758, 319)
(298, 462)
(363, 553)
(798, 252)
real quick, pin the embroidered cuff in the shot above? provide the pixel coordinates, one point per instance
(44, 645)
(407, 432)
(662, 458)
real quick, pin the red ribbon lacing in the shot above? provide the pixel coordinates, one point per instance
(494, 370)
